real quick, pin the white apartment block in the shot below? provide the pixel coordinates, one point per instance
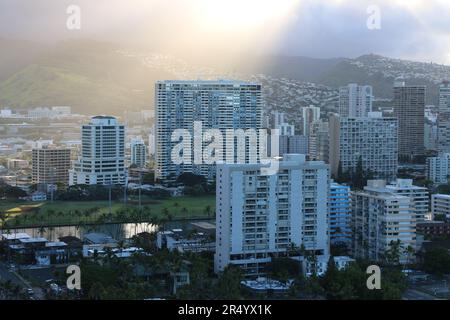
(309, 115)
(218, 105)
(404, 187)
(372, 139)
(380, 218)
(437, 169)
(355, 101)
(440, 205)
(138, 152)
(261, 216)
(285, 129)
(102, 158)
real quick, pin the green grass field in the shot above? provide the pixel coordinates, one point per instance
(25, 214)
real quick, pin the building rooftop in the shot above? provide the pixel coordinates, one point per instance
(440, 195)
(33, 240)
(208, 82)
(56, 244)
(99, 238)
(204, 225)
(15, 236)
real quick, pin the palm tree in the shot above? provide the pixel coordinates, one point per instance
(409, 252)
(208, 210)
(41, 230)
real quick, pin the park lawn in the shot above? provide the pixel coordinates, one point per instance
(72, 212)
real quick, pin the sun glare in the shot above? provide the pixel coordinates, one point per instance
(230, 14)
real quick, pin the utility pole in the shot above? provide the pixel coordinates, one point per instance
(125, 193)
(140, 187)
(110, 187)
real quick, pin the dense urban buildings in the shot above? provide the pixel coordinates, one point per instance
(50, 165)
(293, 144)
(219, 105)
(355, 101)
(409, 108)
(260, 216)
(138, 152)
(340, 215)
(444, 118)
(102, 158)
(379, 219)
(370, 141)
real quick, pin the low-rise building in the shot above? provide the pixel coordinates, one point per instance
(27, 250)
(97, 242)
(176, 240)
(433, 228)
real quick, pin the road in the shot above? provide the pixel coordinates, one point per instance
(6, 274)
(412, 294)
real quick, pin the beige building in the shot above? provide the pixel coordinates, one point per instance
(50, 165)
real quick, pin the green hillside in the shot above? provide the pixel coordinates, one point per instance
(91, 77)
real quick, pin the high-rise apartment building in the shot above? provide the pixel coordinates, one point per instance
(437, 168)
(380, 218)
(355, 101)
(261, 216)
(371, 140)
(409, 108)
(220, 105)
(50, 165)
(102, 158)
(340, 215)
(138, 152)
(319, 141)
(440, 205)
(309, 115)
(419, 196)
(443, 118)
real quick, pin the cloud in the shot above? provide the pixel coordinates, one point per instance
(414, 29)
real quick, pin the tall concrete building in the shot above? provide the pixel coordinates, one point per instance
(319, 141)
(138, 152)
(380, 217)
(409, 108)
(287, 145)
(220, 105)
(437, 168)
(50, 165)
(102, 158)
(372, 139)
(260, 216)
(440, 205)
(279, 122)
(355, 100)
(340, 215)
(309, 115)
(444, 118)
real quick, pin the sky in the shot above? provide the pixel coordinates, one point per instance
(409, 29)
